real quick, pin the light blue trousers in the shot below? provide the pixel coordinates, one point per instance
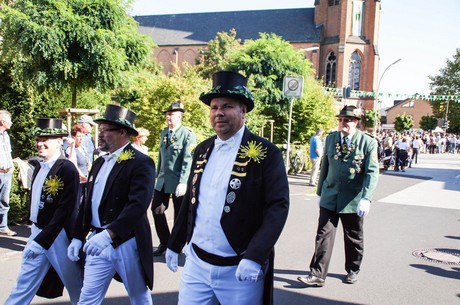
(205, 284)
(99, 271)
(33, 270)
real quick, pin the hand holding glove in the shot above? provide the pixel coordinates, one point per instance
(97, 243)
(181, 189)
(364, 206)
(248, 270)
(172, 259)
(74, 249)
(32, 250)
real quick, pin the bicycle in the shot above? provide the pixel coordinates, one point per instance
(296, 159)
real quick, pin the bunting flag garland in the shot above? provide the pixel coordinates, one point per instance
(338, 92)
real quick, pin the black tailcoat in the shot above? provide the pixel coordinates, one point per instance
(253, 222)
(58, 212)
(124, 204)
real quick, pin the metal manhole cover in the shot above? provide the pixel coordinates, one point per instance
(438, 256)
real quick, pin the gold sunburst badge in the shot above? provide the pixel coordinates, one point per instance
(52, 185)
(125, 155)
(254, 151)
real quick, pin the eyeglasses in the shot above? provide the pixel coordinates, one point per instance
(103, 130)
(346, 120)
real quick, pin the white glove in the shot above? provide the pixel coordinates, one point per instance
(318, 200)
(74, 249)
(181, 189)
(32, 250)
(248, 270)
(171, 260)
(364, 206)
(97, 243)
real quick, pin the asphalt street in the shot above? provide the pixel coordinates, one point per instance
(413, 212)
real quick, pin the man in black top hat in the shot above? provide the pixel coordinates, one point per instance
(347, 180)
(174, 162)
(114, 209)
(234, 209)
(45, 268)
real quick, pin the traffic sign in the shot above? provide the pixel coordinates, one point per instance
(292, 86)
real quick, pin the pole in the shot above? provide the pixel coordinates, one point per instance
(378, 95)
(271, 129)
(291, 101)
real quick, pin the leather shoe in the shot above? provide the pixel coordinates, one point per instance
(8, 232)
(161, 249)
(312, 280)
(352, 277)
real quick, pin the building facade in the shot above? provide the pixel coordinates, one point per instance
(339, 37)
(415, 108)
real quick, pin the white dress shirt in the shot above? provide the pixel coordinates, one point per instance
(35, 203)
(208, 233)
(100, 182)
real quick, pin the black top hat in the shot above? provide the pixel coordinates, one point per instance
(119, 116)
(229, 84)
(351, 111)
(176, 106)
(47, 127)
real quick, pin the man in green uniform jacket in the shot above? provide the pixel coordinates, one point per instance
(347, 181)
(174, 162)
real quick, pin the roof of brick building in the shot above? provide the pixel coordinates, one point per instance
(293, 25)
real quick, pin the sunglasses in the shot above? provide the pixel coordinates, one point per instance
(346, 120)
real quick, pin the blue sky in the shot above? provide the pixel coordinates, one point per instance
(423, 33)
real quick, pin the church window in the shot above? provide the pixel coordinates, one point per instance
(354, 73)
(331, 66)
(409, 104)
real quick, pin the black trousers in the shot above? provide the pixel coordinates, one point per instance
(160, 204)
(352, 226)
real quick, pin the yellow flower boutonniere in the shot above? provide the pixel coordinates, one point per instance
(52, 185)
(254, 151)
(125, 155)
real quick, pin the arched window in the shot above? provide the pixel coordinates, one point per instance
(331, 66)
(354, 73)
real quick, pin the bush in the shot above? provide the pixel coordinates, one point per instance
(19, 201)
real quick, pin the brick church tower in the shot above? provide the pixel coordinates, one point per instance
(349, 54)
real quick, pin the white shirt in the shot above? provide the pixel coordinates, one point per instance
(99, 184)
(208, 233)
(35, 203)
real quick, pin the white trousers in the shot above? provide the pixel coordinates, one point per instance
(33, 270)
(99, 271)
(205, 284)
(316, 162)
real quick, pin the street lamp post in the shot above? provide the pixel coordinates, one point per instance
(378, 94)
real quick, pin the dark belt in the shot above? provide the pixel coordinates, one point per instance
(5, 170)
(98, 230)
(216, 260)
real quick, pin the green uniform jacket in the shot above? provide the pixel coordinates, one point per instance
(175, 159)
(346, 178)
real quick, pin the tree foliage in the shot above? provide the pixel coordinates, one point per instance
(214, 57)
(266, 61)
(370, 117)
(448, 83)
(77, 44)
(428, 122)
(403, 122)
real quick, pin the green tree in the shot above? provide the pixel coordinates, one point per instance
(428, 122)
(447, 83)
(266, 61)
(403, 122)
(370, 117)
(215, 56)
(77, 44)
